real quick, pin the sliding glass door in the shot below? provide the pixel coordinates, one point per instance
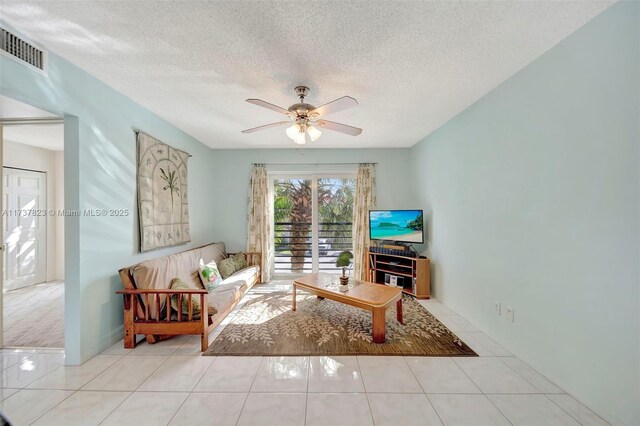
(312, 221)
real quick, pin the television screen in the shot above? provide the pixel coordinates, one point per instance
(396, 225)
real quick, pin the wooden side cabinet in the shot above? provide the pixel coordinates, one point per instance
(414, 273)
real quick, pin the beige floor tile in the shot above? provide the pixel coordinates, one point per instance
(543, 384)
(30, 369)
(212, 409)
(117, 349)
(395, 409)
(467, 410)
(441, 375)
(6, 393)
(126, 374)
(74, 377)
(24, 407)
(532, 410)
(177, 374)
(338, 409)
(474, 344)
(229, 374)
(387, 374)
(83, 408)
(146, 408)
(282, 374)
(335, 374)
(7, 359)
(578, 411)
(273, 409)
(492, 375)
(495, 348)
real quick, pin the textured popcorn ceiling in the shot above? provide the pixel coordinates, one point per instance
(411, 65)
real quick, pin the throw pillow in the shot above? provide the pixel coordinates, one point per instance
(209, 275)
(239, 260)
(227, 267)
(178, 284)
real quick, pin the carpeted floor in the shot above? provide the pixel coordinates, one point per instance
(266, 325)
(34, 316)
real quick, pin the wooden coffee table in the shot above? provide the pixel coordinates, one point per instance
(375, 298)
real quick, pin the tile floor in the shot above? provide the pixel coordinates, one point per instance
(169, 383)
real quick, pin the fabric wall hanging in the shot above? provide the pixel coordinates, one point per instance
(163, 205)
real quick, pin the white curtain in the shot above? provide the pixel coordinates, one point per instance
(365, 200)
(260, 219)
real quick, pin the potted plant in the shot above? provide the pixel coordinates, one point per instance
(344, 261)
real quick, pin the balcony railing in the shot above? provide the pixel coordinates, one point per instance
(293, 246)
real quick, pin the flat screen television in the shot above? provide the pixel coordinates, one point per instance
(403, 226)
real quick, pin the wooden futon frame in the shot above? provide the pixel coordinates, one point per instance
(137, 318)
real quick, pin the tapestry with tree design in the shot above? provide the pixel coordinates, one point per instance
(163, 205)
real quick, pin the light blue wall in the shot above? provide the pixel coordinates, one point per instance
(532, 198)
(100, 173)
(231, 184)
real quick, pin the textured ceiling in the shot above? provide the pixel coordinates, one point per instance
(411, 65)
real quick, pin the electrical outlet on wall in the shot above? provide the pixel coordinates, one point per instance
(509, 313)
(496, 307)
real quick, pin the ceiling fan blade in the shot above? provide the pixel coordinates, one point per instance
(340, 104)
(337, 127)
(268, 105)
(266, 126)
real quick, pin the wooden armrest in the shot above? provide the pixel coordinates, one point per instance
(162, 291)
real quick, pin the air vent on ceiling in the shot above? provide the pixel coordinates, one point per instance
(22, 50)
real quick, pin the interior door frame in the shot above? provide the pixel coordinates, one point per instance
(313, 176)
(22, 122)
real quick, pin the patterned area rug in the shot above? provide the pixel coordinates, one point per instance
(266, 325)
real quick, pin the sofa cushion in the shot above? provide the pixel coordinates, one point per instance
(227, 267)
(209, 275)
(219, 299)
(239, 261)
(177, 284)
(215, 252)
(233, 287)
(246, 275)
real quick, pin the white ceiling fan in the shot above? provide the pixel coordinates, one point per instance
(308, 120)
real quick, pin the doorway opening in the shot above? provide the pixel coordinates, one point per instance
(33, 233)
(312, 221)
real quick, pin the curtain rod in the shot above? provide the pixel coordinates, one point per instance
(309, 164)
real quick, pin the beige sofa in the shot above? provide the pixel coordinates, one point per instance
(146, 289)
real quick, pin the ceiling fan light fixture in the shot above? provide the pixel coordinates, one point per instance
(314, 133)
(293, 131)
(300, 139)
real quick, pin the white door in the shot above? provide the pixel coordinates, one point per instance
(24, 227)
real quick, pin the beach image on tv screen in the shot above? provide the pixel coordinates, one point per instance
(396, 225)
